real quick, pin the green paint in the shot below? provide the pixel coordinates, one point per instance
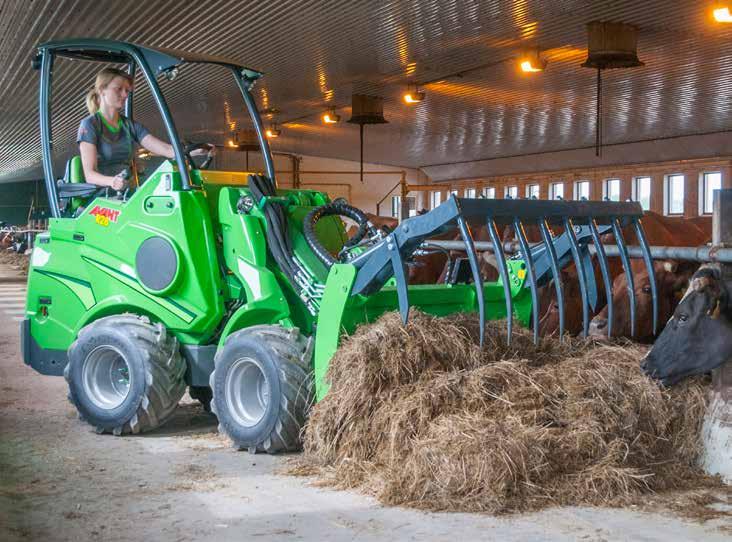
(81, 289)
(227, 279)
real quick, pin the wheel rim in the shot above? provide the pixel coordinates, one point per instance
(106, 376)
(247, 392)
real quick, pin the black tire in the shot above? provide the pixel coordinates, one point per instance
(262, 388)
(125, 345)
(203, 395)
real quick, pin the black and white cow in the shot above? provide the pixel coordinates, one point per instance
(698, 337)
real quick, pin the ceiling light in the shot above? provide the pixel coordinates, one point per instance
(413, 95)
(722, 15)
(531, 62)
(231, 143)
(330, 117)
(272, 132)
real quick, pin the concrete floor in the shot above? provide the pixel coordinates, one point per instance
(61, 481)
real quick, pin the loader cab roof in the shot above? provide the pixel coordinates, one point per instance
(120, 52)
(150, 63)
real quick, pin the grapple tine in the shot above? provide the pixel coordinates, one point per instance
(569, 228)
(606, 278)
(503, 270)
(546, 236)
(475, 268)
(623, 249)
(401, 283)
(643, 242)
(526, 253)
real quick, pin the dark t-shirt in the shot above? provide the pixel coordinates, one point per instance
(115, 148)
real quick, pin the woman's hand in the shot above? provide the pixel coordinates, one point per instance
(118, 182)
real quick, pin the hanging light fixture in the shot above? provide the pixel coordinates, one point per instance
(366, 110)
(243, 140)
(330, 117)
(272, 132)
(531, 61)
(721, 14)
(413, 95)
(609, 45)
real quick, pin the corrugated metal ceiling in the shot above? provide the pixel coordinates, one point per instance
(316, 54)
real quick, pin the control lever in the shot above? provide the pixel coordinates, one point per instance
(125, 174)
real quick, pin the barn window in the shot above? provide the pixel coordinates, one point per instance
(556, 191)
(435, 198)
(454, 192)
(581, 190)
(611, 189)
(396, 203)
(710, 182)
(674, 195)
(489, 192)
(470, 192)
(642, 192)
(511, 192)
(532, 191)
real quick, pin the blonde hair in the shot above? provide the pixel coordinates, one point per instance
(104, 77)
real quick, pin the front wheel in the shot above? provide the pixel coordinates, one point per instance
(125, 374)
(262, 388)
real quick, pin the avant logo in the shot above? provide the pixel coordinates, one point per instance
(104, 215)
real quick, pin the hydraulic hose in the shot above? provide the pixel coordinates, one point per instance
(278, 240)
(334, 209)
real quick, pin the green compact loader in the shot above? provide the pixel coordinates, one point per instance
(223, 283)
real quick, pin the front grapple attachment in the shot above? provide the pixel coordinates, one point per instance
(582, 222)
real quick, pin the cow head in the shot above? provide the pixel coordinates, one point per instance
(671, 279)
(698, 337)
(549, 320)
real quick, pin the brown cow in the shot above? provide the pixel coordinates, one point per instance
(672, 279)
(659, 230)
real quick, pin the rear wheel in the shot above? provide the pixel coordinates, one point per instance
(262, 388)
(125, 374)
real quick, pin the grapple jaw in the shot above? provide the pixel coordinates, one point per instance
(583, 223)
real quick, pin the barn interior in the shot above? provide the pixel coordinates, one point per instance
(610, 118)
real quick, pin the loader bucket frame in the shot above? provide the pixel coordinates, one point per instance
(356, 293)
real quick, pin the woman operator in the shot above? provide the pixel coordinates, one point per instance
(107, 138)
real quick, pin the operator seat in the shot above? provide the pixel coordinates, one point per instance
(73, 190)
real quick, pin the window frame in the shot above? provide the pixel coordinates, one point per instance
(434, 193)
(511, 188)
(606, 188)
(538, 190)
(552, 190)
(703, 192)
(636, 193)
(483, 192)
(576, 189)
(667, 194)
(467, 192)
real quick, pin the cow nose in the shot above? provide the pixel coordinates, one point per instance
(598, 326)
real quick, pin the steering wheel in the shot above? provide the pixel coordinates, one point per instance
(194, 147)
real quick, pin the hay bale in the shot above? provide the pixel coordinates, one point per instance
(419, 415)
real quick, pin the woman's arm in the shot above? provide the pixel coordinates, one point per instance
(155, 146)
(88, 153)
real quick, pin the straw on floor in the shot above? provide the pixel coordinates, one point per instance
(421, 416)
